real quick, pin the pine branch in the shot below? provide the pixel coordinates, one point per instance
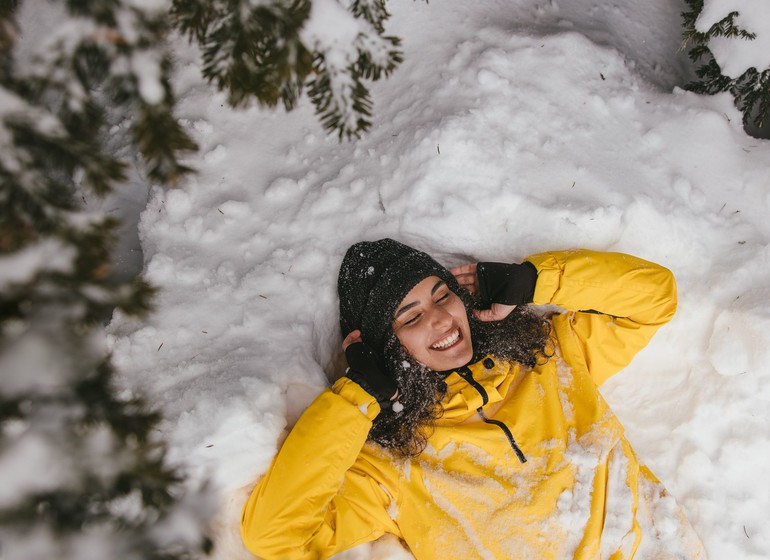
(250, 52)
(264, 53)
(160, 138)
(343, 107)
(711, 79)
(57, 403)
(751, 90)
(373, 11)
(752, 93)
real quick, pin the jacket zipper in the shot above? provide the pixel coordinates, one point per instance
(466, 374)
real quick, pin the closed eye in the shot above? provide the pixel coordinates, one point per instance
(413, 320)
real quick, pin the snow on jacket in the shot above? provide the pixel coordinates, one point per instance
(524, 463)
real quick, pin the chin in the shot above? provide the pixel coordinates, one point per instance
(458, 359)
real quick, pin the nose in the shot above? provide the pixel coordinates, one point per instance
(440, 318)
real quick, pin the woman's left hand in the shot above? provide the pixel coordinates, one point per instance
(497, 312)
(467, 277)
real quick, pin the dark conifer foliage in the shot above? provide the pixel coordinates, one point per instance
(270, 52)
(83, 469)
(751, 89)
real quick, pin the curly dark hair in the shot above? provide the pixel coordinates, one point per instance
(521, 337)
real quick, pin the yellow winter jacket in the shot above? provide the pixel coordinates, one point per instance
(524, 464)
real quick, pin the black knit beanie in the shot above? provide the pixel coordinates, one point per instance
(375, 276)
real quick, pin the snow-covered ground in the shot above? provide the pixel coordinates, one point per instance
(512, 127)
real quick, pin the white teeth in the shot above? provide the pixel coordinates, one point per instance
(447, 342)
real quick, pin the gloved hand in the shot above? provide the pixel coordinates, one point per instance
(508, 284)
(365, 370)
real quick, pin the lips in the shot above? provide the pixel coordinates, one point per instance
(448, 341)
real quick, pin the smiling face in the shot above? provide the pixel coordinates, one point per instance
(432, 324)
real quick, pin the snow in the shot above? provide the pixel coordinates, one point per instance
(620, 504)
(735, 55)
(46, 256)
(28, 465)
(146, 67)
(149, 6)
(511, 128)
(14, 110)
(32, 363)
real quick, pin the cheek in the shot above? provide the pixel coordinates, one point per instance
(405, 339)
(460, 313)
(412, 341)
(461, 317)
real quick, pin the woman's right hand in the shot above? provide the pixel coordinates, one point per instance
(365, 369)
(353, 337)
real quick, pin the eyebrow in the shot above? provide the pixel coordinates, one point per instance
(408, 306)
(437, 286)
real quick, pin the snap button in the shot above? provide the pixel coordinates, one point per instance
(489, 363)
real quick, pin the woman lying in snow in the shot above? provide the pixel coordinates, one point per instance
(471, 427)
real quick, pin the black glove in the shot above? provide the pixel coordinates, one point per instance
(365, 369)
(509, 284)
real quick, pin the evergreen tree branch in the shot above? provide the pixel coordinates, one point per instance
(264, 53)
(750, 90)
(57, 403)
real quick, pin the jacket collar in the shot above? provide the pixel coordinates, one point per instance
(485, 381)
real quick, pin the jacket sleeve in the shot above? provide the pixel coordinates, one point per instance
(615, 304)
(319, 496)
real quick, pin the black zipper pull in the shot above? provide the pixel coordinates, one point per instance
(507, 432)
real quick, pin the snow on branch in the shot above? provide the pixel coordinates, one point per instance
(99, 59)
(269, 51)
(732, 39)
